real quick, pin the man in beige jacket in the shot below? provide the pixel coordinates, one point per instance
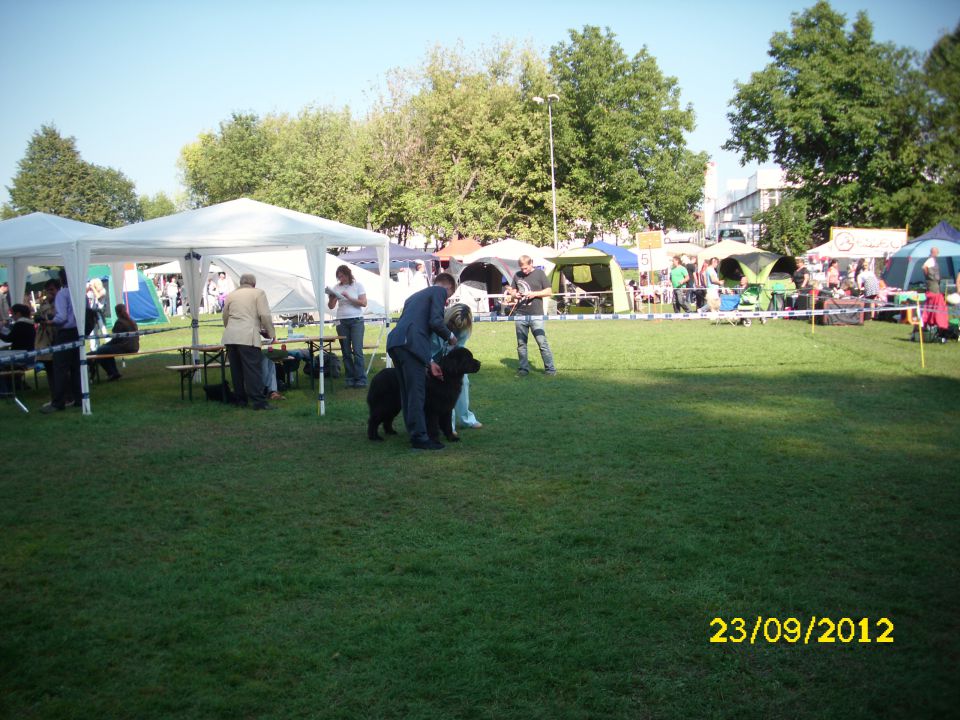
(246, 319)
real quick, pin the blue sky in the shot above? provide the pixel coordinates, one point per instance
(134, 82)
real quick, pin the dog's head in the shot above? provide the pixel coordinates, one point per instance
(459, 361)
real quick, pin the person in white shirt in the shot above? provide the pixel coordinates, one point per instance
(350, 298)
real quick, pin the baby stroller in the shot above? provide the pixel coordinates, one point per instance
(750, 302)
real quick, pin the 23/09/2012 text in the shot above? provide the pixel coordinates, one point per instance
(792, 630)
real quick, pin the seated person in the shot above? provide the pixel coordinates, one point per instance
(272, 390)
(116, 346)
(21, 334)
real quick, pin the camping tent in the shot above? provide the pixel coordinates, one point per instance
(760, 267)
(193, 236)
(592, 271)
(626, 259)
(906, 265)
(398, 254)
(941, 231)
(483, 272)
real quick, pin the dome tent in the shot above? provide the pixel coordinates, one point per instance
(592, 271)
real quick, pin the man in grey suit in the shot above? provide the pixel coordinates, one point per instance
(247, 319)
(408, 345)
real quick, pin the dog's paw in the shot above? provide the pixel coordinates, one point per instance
(453, 438)
(375, 438)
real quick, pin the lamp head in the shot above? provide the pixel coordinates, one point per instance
(537, 99)
(552, 98)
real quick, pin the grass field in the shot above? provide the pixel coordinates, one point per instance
(166, 559)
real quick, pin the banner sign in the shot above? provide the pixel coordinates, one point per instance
(863, 242)
(649, 240)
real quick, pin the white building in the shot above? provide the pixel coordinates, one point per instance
(745, 197)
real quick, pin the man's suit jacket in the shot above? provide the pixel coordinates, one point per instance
(245, 314)
(422, 313)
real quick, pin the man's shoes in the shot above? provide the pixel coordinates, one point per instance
(112, 378)
(522, 373)
(550, 373)
(50, 408)
(426, 445)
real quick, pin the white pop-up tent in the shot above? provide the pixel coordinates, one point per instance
(43, 239)
(237, 226)
(192, 237)
(285, 277)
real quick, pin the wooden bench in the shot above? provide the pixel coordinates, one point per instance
(186, 376)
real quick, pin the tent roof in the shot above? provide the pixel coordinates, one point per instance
(921, 249)
(509, 249)
(682, 248)
(397, 252)
(242, 225)
(726, 248)
(39, 235)
(458, 248)
(584, 256)
(625, 258)
(942, 231)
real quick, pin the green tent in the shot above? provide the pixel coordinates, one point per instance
(771, 271)
(144, 305)
(595, 272)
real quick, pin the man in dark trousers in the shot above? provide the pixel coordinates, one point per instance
(66, 363)
(408, 345)
(528, 289)
(246, 321)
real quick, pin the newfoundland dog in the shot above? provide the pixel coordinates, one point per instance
(384, 396)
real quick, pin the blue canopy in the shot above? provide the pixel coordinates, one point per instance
(942, 231)
(626, 259)
(906, 265)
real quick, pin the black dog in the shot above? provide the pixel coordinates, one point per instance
(383, 397)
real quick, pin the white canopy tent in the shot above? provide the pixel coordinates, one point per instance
(192, 237)
(43, 239)
(285, 277)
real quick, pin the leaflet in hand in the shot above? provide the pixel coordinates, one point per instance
(330, 291)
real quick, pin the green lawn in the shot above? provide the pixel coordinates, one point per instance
(166, 559)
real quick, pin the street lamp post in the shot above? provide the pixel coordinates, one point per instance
(551, 99)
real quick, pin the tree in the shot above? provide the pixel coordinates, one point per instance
(225, 165)
(942, 77)
(619, 132)
(785, 228)
(53, 178)
(158, 205)
(841, 114)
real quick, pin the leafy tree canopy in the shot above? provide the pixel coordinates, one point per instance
(620, 135)
(53, 178)
(843, 115)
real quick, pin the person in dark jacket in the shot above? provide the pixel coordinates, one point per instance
(117, 345)
(409, 346)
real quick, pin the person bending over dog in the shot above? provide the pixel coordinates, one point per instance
(408, 345)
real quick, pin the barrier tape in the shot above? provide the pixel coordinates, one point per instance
(714, 315)
(50, 349)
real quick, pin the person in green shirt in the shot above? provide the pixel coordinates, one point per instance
(678, 279)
